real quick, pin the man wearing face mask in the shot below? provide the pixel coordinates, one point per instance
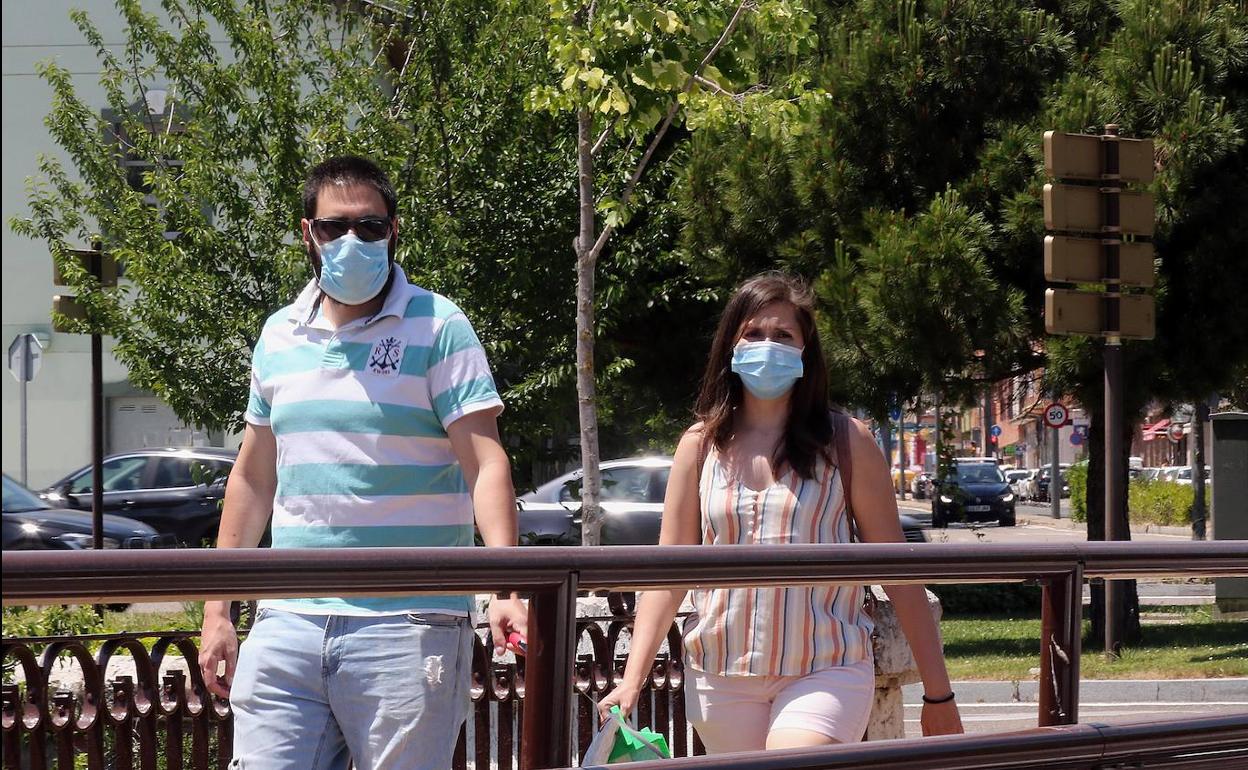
(372, 421)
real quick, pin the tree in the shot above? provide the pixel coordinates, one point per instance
(436, 93)
(629, 72)
(851, 188)
(1177, 72)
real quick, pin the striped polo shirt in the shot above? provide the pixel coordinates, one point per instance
(360, 416)
(790, 631)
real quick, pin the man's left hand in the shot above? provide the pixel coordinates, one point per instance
(507, 616)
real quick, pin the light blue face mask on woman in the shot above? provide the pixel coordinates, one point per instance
(767, 369)
(354, 271)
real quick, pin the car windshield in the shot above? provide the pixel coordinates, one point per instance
(18, 498)
(978, 473)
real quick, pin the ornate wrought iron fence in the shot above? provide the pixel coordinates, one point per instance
(139, 701)
(552, 576)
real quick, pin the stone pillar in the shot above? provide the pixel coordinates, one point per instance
(894, 667)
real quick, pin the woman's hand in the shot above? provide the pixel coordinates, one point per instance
(941, 719)
(624, 695)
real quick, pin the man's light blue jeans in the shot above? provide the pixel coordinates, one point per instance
(313, 691)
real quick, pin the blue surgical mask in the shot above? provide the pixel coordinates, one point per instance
(354, 271)
(767, 369)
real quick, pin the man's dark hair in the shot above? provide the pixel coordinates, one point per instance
(347, 170)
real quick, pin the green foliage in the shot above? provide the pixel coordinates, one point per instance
(1077, 476)
(1160, 502)
(853, 191)
(988, 598)
(53, 620)
(257, 92)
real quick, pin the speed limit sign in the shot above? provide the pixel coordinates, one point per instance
(1055, 415)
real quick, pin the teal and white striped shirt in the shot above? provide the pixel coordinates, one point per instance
(360, 416)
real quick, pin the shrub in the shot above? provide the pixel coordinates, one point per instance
(53, 620)
(988, 598)
(1077, 477)
(1160, 502)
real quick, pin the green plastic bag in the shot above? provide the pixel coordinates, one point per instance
(635, 745)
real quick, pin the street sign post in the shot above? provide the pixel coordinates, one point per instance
(25, 359)
(1084, 312)
(1070, 259)
(1056, 415)
(1078, 208)
(1175, 432)
(103, 268)
(1078, 156)
(1115, 217)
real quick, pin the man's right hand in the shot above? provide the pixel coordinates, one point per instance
(218, 642)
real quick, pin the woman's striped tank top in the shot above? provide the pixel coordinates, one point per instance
(775, 631)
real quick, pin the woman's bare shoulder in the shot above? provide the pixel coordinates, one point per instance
(691, 439)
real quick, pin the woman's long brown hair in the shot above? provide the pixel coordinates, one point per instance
(808, 433)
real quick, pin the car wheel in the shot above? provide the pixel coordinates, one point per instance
(940, 519)
(1006, 521)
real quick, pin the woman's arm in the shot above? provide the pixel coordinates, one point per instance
(875, 514)
(657, 609)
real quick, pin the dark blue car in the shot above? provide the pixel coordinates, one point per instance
(973, 491)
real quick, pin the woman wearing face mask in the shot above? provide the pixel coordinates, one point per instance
(778, 667)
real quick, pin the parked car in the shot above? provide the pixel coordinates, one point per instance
(32, 524)
(1015, 479)
(1183, 475)
(632, 503)
(973, 492)
(1027, 485)
(1042, 483)
(175, 491)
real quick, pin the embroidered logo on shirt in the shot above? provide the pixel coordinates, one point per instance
(386, 356)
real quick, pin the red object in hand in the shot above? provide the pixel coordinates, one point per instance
(517, 643)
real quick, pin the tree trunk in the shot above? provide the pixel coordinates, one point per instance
(1096, 532)
(1200, 417)
(586, 390)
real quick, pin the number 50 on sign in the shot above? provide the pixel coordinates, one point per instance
(1055, 415)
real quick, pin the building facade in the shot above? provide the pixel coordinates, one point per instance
(58, 399)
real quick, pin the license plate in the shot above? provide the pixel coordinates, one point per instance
(978, 508)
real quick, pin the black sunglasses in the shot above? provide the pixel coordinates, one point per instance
(366, 228)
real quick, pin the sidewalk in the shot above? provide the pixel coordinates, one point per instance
(1034, 519)
(1232, 691)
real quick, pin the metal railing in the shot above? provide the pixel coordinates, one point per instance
(552, 576)
(120, 700)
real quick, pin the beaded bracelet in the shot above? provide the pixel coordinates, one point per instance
(935, 701)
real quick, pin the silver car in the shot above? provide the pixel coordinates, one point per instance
(632, 506)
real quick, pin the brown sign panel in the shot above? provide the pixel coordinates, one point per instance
(1079, 208)
(1081, 260)
(1082, 312)
(67, 306)
(87, 258)
(1079, 156)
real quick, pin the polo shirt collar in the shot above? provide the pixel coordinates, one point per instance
(395, 304)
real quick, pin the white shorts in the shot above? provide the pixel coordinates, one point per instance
(736, 713)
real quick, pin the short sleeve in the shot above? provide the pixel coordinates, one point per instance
(259, 401)
(459, 373)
